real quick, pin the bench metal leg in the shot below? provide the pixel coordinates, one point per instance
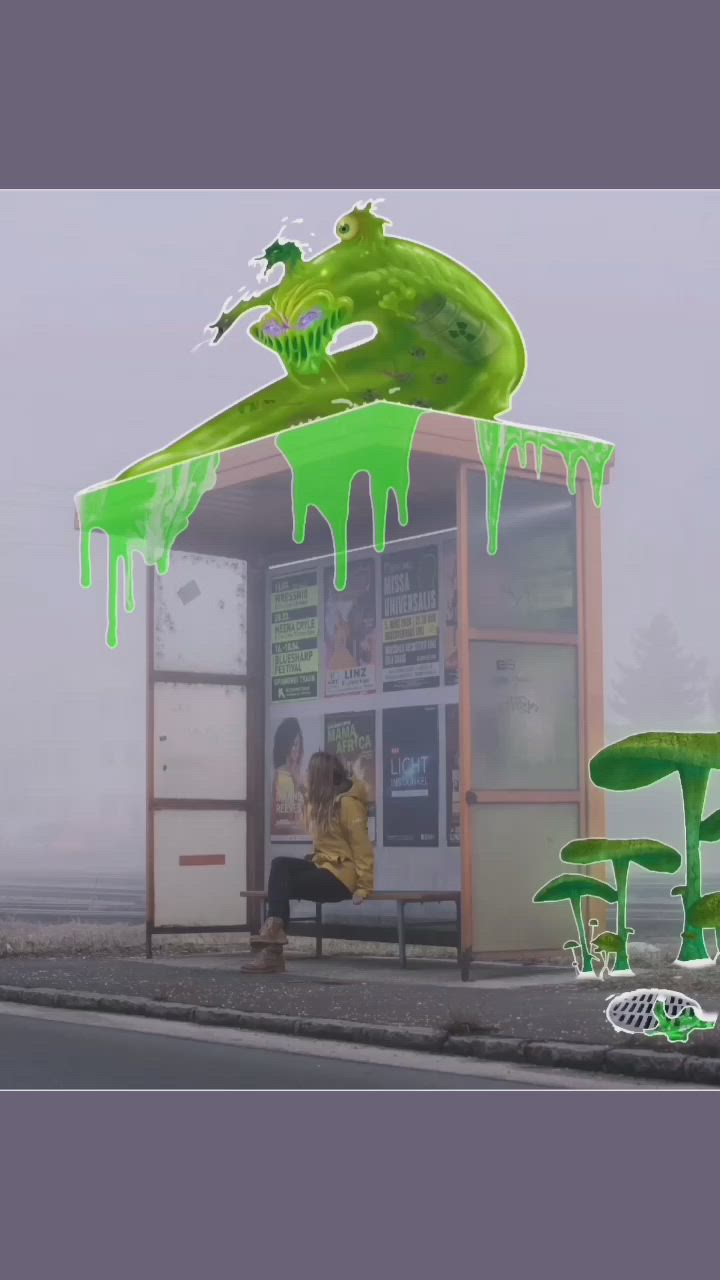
(401, 934)
(318, 931)
(458, 933)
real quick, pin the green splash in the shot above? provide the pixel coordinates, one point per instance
(326, 456)
(146, 514)
(496, 441)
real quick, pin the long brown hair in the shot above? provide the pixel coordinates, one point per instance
(326, 777)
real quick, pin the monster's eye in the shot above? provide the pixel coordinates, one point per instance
(347, 227)
(310, 317)
(275, 330)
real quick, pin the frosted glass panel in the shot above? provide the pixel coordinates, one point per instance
(515, 850)
(201, 615)
(531, 584)
(200, 742)
(524, 716)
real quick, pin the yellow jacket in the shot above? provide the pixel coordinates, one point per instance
(345, 849)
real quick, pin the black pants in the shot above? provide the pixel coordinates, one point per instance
(298, 878)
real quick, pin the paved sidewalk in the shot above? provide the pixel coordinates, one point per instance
(522, 1002)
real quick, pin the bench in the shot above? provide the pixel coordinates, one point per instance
(401, 899)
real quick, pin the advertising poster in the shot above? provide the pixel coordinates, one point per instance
(410, 777)
(351, 736)
(294, 636)
(452, 772)
(411, 619)
(449, 573)
(351, 631)
(293, 739)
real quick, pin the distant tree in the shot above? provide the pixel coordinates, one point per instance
(664, 687)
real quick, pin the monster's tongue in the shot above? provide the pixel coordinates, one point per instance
(326, 456)
(146, 514)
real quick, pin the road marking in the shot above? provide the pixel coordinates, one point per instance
(513, 1073)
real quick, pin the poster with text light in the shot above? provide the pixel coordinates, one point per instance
(410, 777)
(452, 772)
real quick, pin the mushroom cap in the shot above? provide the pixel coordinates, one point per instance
(644, 758)
(572, 943)
(705, 913)
(568, 888)
(651, 854)
(608, 941)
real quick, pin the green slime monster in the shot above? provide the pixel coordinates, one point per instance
(443, 339)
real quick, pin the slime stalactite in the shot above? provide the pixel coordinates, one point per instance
(147, 515)
(496, 441)
(325, 457)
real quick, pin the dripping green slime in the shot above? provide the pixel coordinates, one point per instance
(148, 513)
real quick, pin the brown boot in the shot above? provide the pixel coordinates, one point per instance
(268, 959)
(272, 934)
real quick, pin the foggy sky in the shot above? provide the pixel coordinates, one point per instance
(106, 293)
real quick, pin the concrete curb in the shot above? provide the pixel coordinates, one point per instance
(419, 1038)
(644, 1063)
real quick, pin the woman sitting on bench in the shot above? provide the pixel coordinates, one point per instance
(341, 866)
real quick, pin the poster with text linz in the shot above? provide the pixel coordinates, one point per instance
(350, 626)
(411, 619)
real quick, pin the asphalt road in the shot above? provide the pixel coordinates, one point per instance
(69, 1049)
(40, 1053)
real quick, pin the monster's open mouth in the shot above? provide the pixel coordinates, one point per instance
(302, 345)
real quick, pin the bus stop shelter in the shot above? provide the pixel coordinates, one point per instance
(465, 688)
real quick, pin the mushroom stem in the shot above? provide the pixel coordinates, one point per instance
(694, 783)
(587, 964)
(622, 870)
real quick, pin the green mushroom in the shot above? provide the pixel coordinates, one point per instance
(574, 889)
(703, 914)
(610, 944)
(646, 758)
(650, 854)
